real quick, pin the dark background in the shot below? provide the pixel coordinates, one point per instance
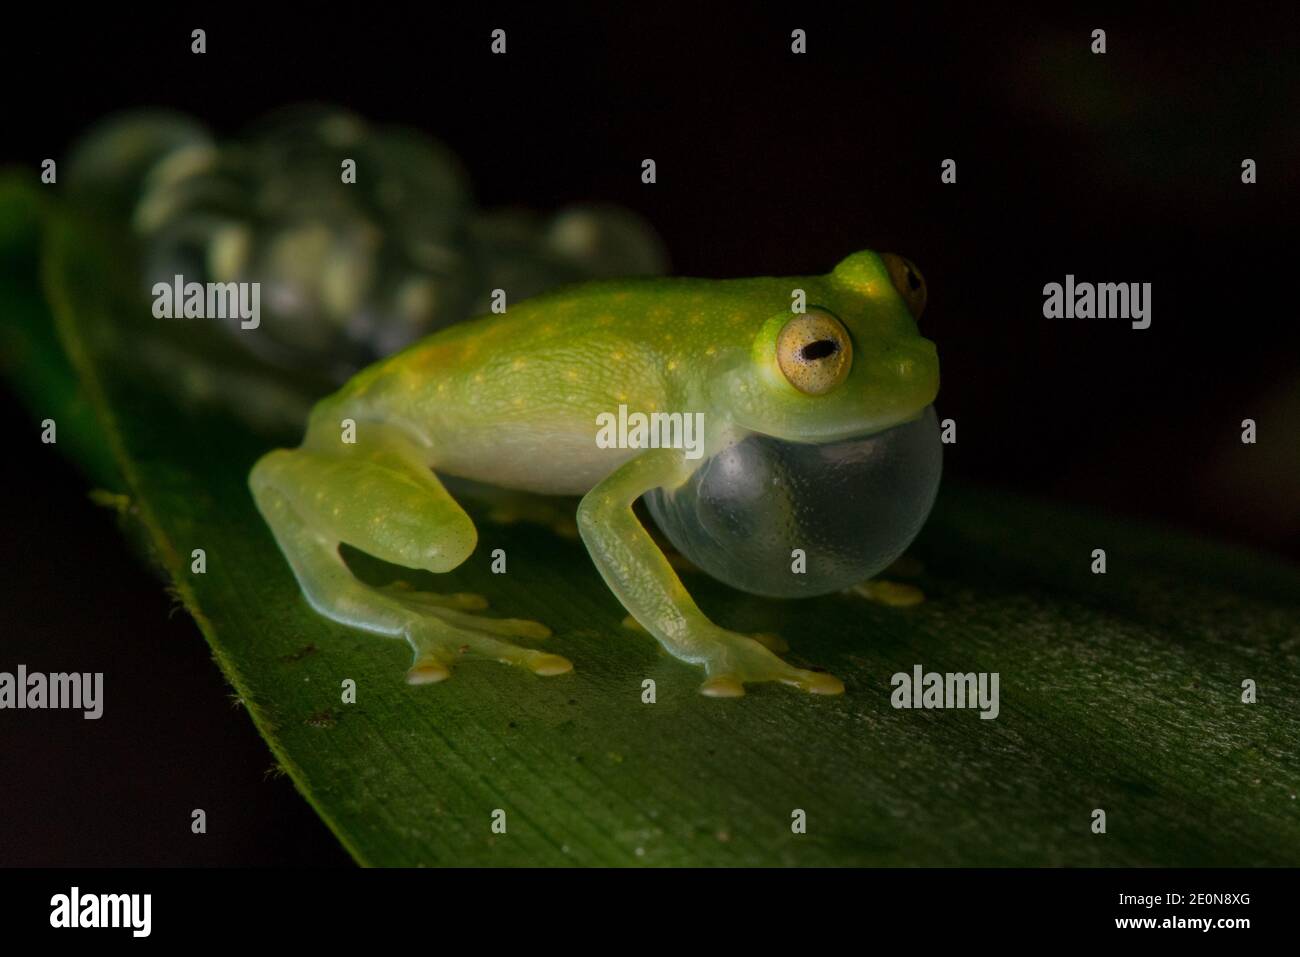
(1123, 167)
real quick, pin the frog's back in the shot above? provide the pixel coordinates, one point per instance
(576, 329)
(527, 384)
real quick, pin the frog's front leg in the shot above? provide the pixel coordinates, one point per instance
(642, 579)
(380, 495)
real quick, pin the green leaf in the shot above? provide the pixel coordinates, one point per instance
(1119, 691)
(31, 355)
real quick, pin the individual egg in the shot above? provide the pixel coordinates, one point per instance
(851, 508)
(112, 163)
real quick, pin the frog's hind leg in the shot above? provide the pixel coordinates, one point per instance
(382, 498)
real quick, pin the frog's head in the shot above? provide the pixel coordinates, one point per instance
(852, 363)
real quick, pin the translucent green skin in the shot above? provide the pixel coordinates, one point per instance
(513, 399)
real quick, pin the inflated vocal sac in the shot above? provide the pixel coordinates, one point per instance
(852, 507)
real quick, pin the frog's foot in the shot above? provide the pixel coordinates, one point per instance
(453, 609)
(441, 636)
(737, 660)
(892, 594)
(306, 497)
(441, 630)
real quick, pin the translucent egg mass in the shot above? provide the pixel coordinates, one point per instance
(851, 506)
(352, 267)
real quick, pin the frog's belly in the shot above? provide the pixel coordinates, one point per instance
(532, 461)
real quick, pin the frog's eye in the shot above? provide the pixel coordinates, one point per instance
(814, 352)
(909, 282)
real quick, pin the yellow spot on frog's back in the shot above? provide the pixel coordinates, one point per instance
(571, 375)
(518, 364)
(672, 364)
(711, 351)
(604, 319)
(616, 356)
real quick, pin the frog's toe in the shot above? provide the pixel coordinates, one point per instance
(548, 665)
(892, 594)
(741, 660)
(465, 601)
(510, 627)
(813, 682)
(519, 627)
(771, 641)
(816, 682)
(444, 637)
(426, 600)
(538, 662)
(427, 671)
(723, 686)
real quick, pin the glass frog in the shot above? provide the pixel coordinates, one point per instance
(525, 400)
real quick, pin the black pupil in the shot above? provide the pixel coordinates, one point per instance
(913, 281)
(820, 349)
